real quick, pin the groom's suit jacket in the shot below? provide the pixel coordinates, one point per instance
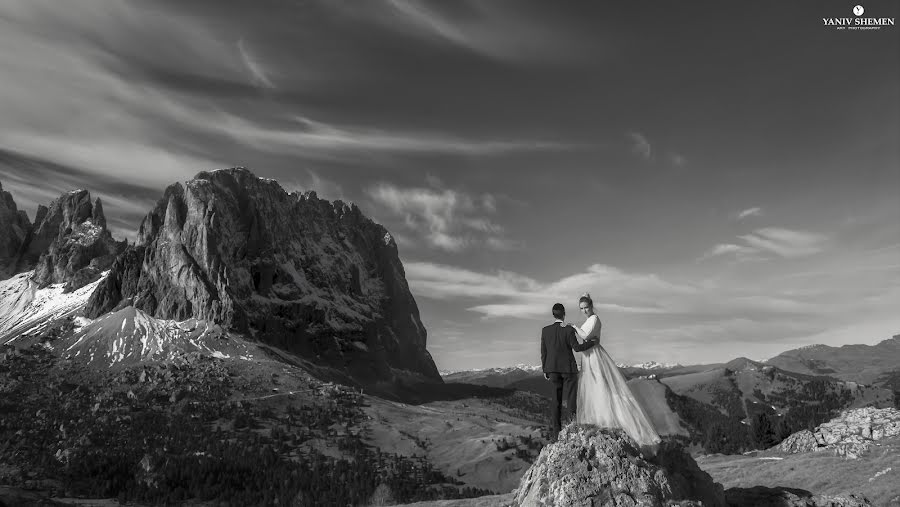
(557, 344)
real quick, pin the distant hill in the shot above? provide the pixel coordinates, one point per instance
(858, 363)
(743, 387)
(494, 377)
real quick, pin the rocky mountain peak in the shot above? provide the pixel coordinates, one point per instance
(97, 215)
(310, 276)
(14, 228)
(69, 242)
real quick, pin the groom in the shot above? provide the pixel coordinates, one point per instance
(557, 343)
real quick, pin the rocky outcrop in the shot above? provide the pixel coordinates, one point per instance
(310, 276)
(802, 441)
(589, 466)
(69, 242)
(14, 228)
(849, 435)
(761, 496)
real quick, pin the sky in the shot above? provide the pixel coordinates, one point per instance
(722, 177)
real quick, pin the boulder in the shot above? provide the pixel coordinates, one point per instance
(590, 466)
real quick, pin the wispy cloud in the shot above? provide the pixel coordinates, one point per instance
(259, 75)
(786, 242)
(640, 145)
(730, 248)
(503, 31)
(446, 219)
(749, 212)
(613, 290)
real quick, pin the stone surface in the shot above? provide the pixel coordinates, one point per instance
(761, 496)
(849, 435)
(70, 242)
(802, 441)
(14, 229)
(589, 466)
(313, 277)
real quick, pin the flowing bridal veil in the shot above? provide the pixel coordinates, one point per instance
(605, 399)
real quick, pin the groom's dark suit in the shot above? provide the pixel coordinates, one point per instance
(557, 343)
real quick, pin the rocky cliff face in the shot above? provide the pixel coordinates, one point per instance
(309, 276)
(69, 242)
(597, 467)
(14, 228)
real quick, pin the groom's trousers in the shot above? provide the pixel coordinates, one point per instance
(566, 388)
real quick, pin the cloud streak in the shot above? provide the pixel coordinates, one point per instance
(640, 145)
(785, 243)
(749, 212)
(260, 77)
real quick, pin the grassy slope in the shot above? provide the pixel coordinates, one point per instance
(458, 437)
(818, 472)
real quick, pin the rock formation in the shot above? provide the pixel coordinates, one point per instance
(589, 466)
(14, 228)
(69, 242)
(849, 435)
(310, 276)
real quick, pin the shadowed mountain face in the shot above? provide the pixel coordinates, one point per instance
(310, 276)
(858, 363)
(14, 228)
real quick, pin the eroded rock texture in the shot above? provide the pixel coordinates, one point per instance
(310, 276)
(70, 243)
(594, 467)
(849, 435)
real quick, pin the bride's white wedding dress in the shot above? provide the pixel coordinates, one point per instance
(604, 398)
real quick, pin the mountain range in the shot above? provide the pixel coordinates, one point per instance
(226, 336)
(225, 250)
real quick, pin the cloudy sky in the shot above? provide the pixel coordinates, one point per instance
(723, 177)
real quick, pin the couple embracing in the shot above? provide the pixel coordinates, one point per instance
(598, 394)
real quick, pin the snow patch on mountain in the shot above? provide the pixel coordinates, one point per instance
(130, 336)
(653, 365)
(27, 309)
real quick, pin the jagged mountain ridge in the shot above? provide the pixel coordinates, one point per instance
(309, 276)
(14, 229)
(67, 243)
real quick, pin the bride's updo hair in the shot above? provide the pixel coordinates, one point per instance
(586, 298)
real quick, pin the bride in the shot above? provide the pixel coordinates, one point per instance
(604, 398)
